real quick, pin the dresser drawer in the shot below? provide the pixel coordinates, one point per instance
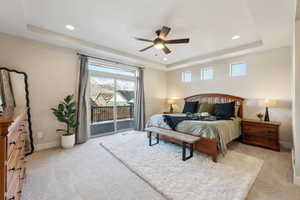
(12, 140)
(13, 192)
(12, 165)
(264, 132)
(15, 165)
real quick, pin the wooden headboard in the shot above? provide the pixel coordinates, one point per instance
(218, 98)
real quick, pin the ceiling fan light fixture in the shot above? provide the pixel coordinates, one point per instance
(70, 27)
(160, 42)
(159, 46)
(235, 37)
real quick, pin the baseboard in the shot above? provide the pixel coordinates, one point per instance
(286, 145)
(49, 145)
(296, 179)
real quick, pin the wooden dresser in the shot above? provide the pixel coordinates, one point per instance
(261, 133)
(13, 130)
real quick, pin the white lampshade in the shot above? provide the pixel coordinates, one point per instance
(171, 101)
(270, 102)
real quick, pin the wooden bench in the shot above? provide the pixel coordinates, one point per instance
(184, 138)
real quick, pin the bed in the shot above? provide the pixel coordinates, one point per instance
(214, 136)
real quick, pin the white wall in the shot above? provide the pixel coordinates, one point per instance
(296, 100)
(268, 76)
(155, 91)
(52, 73)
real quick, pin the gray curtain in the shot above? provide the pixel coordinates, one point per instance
(139, 111)
(83, 114)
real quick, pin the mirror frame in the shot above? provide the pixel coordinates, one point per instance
(27, 105)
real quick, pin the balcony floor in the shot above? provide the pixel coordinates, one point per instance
(103, 128)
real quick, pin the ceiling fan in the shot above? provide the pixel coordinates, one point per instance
(160, 42)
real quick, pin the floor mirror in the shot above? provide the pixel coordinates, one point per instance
(14, 94)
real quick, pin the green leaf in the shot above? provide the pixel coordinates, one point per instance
(69, 98)
(61, 107)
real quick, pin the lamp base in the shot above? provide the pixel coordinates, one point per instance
(171, 108)
(267, 118)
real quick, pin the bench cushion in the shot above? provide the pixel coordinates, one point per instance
(174, 134)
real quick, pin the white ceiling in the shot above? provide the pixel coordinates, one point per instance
(210, 25)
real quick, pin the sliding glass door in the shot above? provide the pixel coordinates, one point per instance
(125, 101)
(112, 99)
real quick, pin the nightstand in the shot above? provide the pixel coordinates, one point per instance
(261, 133)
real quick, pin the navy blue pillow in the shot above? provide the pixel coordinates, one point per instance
(190, 107)
(224, 110)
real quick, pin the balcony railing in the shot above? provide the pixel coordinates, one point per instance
(106, 113)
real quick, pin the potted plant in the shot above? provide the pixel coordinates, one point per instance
(260, 116)
(66, 113)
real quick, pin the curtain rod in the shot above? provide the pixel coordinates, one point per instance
(107, 60)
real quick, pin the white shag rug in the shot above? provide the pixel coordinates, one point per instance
(198, 178)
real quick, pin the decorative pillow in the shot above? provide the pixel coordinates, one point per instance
(236, 109)
(190, 107)
(225, 110)
(207, 107)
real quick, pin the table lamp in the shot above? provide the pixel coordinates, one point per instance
(171, 102)
(269, 103)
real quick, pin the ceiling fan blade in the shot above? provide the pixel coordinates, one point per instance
(164, 32)
(142, 39)
(166, 50)
(178, 41)
(146, 48)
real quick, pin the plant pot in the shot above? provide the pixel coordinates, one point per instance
(67, 141)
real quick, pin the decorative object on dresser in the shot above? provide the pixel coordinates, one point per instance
(66, 113)
(260, 116)
(261, 133)
(171, 102)
(269, 103)
(14, 94)
(13, 132)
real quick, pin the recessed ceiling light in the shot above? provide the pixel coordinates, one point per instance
(165, 59)
(70, 27)
(235, 37)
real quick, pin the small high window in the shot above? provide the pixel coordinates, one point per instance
(238, 69)
(207, 73)
(186, 77)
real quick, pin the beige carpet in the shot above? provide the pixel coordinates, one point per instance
(197, 178)
(88, 172)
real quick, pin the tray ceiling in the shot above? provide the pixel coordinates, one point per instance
(210, 24)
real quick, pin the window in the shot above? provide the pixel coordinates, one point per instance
(207, 73)
(112, 70)
(238, 69)
(186, 77)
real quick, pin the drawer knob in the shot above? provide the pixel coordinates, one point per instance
(12, 142)
(22, 178)
(19, 192)
(12, 169)
(19, 169)
(12, 198)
